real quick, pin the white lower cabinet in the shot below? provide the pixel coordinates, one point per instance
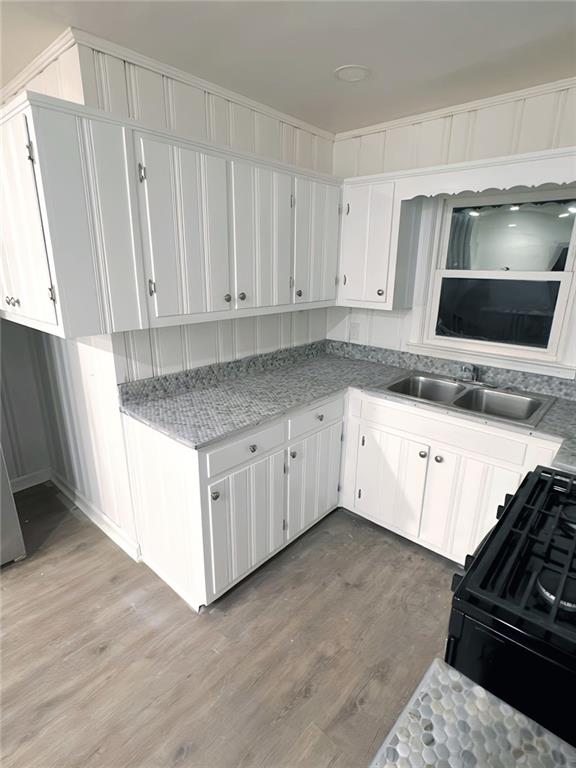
(313, 478)
(246, 519)
(206, 518)
(435, 479)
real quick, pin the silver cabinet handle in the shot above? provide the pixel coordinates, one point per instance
(320, 416)
(347, 209)
(215, 495)
(422, 454)
(242, 296)
(344, 280)
(299, 292)
(438, 459)
(253, 448)
(151, 287)
(227, 298)
(293, 454)
(380, 292)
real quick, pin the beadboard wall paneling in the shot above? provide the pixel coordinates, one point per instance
(148, 94)
(80, 402)
(523, 121)
(23, 434)
(141, 354)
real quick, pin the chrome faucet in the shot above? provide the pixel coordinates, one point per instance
(468, 372)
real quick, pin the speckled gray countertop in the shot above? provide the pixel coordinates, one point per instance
(450, 722)
(206, 413)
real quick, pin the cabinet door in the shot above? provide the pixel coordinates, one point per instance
(24, 270)
(262, 241)
(440, 496)
(246, 519)
(390, 479)
(355, 209)
(313, 476)
(315, 240)
(184, 214)
(366, 236)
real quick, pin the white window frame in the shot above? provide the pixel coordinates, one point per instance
(566, 293)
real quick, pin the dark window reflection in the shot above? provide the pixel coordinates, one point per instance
(516, 312)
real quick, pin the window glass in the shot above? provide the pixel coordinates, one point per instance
(516, 312)
(532, 237)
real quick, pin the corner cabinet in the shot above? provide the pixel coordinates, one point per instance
(206, 518)
(435, 478)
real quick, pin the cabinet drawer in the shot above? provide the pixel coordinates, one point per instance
(313, 418)
(249, 447)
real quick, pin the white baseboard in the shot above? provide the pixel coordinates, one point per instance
(98, 518)
(32, 478)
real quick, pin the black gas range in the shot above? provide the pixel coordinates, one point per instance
(513, 621)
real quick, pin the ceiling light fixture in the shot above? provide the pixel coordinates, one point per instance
(473, 213)
(352, 73)
(514, 207)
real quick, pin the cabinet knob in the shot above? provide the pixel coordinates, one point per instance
(320, 416)
(15, 302)
(347, 209)
(253, 448)
(438, 459)
(242, 296)
(227, 298)
(215, 495)
(293, 454)
(422, 454)
(380, 292)
(7, 299)
(299, 292)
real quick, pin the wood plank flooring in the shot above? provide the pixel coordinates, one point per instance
(308, 662)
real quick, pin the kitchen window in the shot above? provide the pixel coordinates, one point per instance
(504, 274)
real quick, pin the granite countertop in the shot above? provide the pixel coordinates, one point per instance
(203, 414)
(450, 721)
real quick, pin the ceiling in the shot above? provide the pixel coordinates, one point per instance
(423, 55)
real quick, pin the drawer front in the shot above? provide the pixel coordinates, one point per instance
(485, 441)
(251, 446)
(315, 418)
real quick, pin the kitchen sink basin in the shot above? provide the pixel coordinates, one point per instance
(427, 388)
(503, 405)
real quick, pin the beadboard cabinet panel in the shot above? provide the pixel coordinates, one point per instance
(262, 235)
(146, 97)
(183, 201)
(315, 241)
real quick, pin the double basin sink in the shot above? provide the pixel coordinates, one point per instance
(476, 398)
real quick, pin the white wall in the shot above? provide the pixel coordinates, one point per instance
(87, 446)
(523, 121)
(24, 439)
(140, 354)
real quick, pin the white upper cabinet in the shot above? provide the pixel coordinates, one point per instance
(184, 215)
(22, 249)
(366, 243)
(70, 264)
(262, 241)
(315, 240)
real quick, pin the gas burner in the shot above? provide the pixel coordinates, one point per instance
(568, 518)
(548, 582)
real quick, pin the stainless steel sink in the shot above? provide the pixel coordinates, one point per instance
(504, 405)
(474, 397)
(427, 388)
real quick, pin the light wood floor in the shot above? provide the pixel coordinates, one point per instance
(306, 663)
